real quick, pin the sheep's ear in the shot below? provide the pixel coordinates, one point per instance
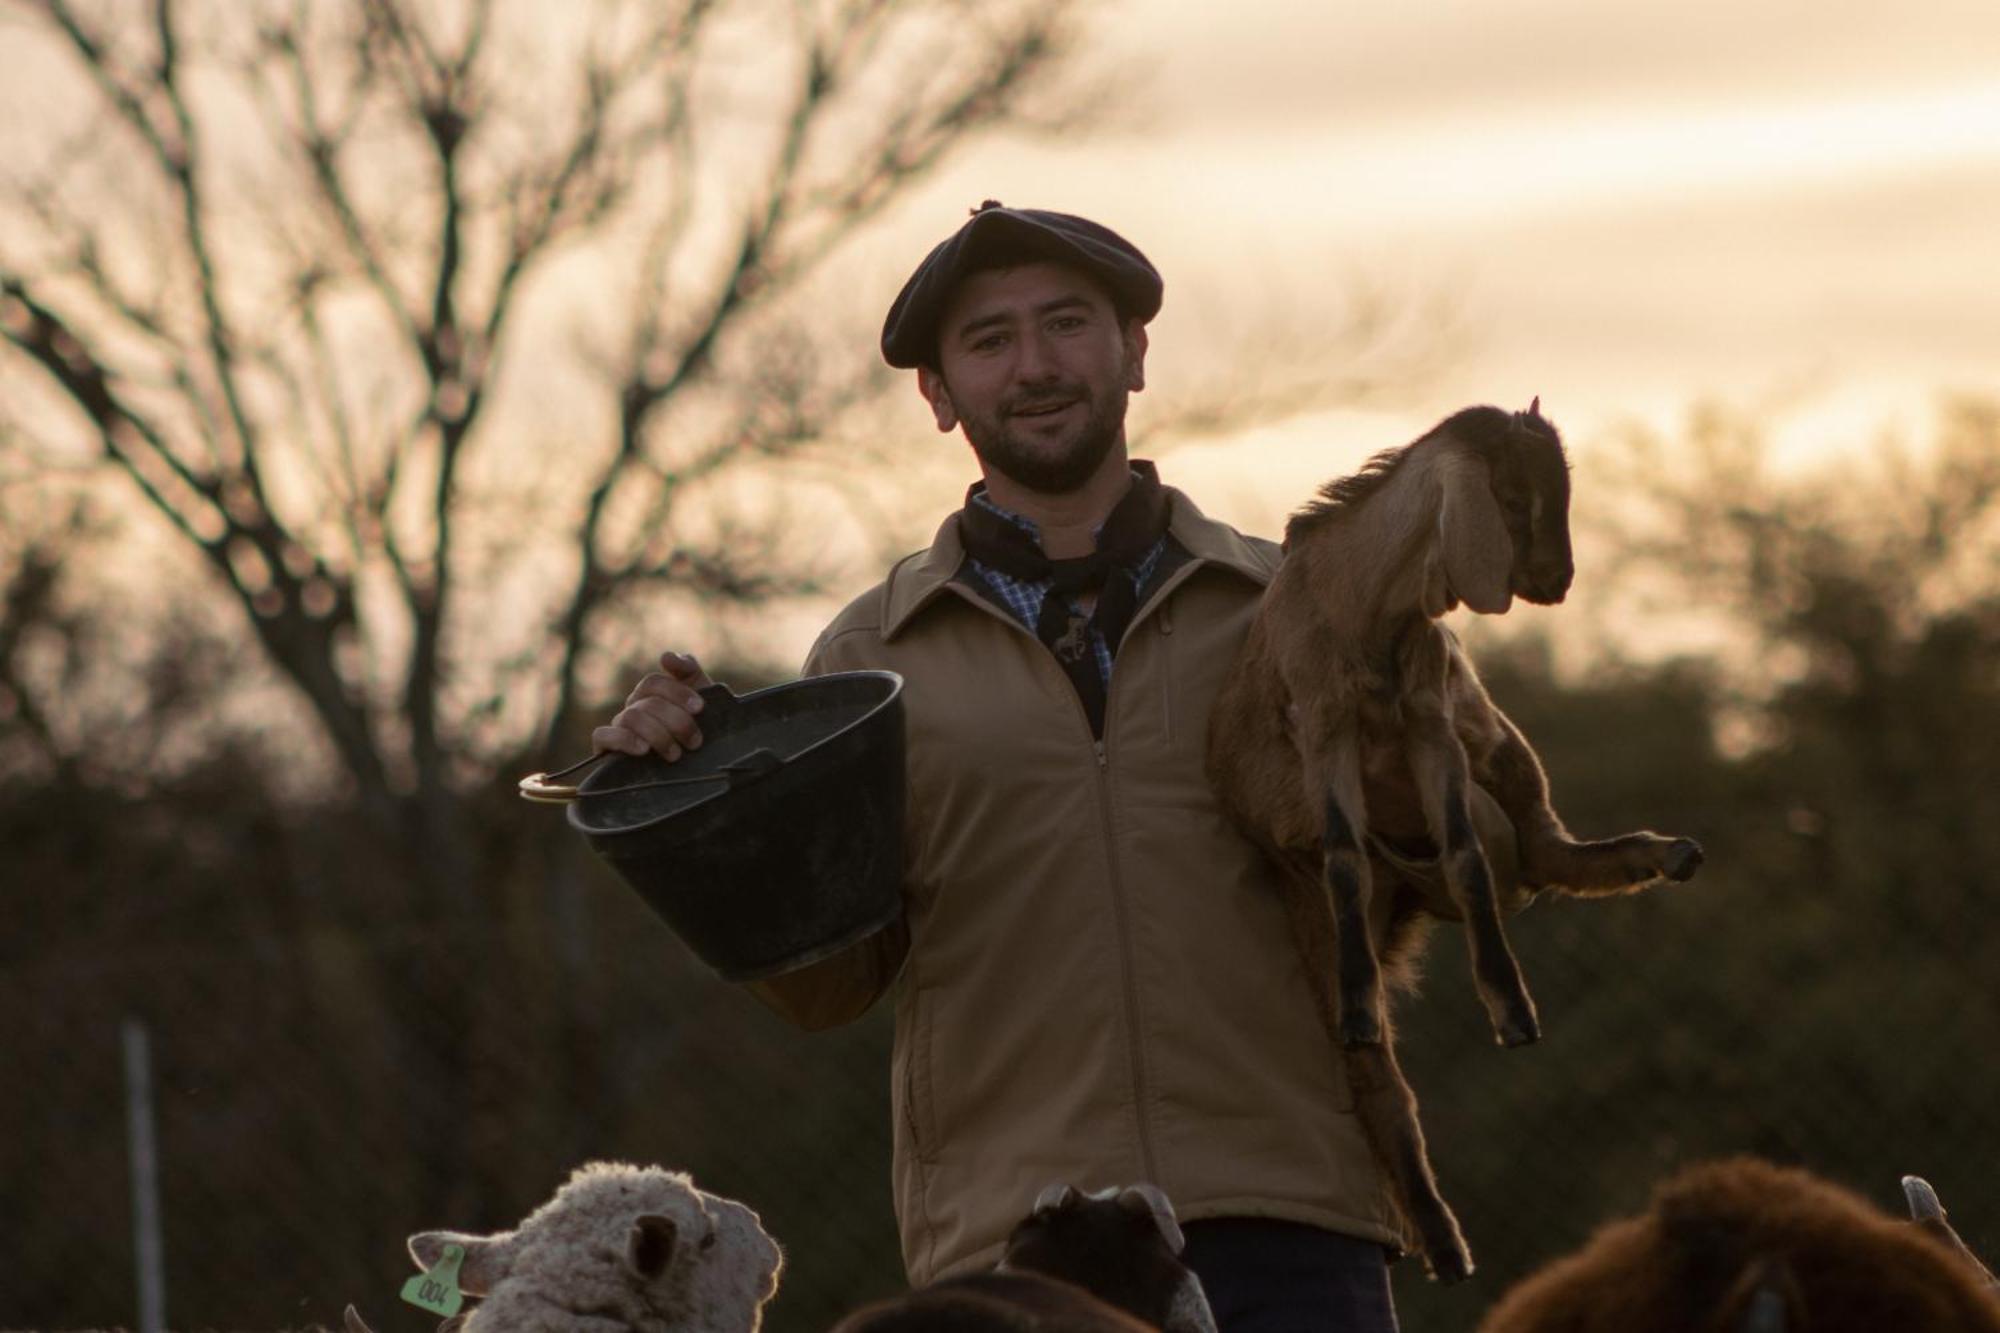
(351, 1319)
(1150, 1199)
(1472, 536)
(649, 1245)
(487, 1258)
(1055, 1198)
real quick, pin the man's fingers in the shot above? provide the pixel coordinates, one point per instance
(684, 667)
(659, 714)
(667, 690)
(666, 729)
(616, 739)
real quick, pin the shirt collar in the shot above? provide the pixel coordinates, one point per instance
(917, 583)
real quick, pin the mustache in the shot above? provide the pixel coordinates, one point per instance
(1047, 398)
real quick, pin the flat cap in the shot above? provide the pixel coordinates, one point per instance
(995, 236)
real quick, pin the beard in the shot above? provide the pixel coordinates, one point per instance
(1049, 464)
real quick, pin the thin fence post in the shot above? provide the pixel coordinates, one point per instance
(147, 1248)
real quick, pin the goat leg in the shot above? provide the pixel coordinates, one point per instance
(1348, 887)
(1444, 781)
(1388, 1113)
(1609, 865)
(1550, 858)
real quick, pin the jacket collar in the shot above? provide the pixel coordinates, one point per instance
(922, 578)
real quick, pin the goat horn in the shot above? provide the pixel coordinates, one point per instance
(1054, 1198)
(1923, 1200)
(1535, 408)
(1144, 1198)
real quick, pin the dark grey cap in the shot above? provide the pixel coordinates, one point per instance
(996, 236)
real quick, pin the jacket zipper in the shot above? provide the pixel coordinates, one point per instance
(1121, 923)
(1120, 914)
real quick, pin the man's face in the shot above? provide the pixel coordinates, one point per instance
(1035, 364)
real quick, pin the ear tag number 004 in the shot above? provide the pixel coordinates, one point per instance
(437, 1290)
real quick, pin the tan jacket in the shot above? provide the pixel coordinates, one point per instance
(1097, 982)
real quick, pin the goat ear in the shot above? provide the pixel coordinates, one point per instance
(486, 1262)
(1472, 536)
(1150, 1199)
(649, 1245)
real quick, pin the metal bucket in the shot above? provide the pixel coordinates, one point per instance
(780, 841)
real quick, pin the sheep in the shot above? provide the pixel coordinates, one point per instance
(1079, 1262)
(618, 1249)
(1744, 1246)
(1352, 728)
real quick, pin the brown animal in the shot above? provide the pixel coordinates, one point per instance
(1743, 1246)
(1122, 1245)
(1351, 733)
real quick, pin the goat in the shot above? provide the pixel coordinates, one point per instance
(1100, 1262)
(618, 1249)
(1352, 728)
(1743, 1246)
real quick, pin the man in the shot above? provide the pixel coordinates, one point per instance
(1094, 979)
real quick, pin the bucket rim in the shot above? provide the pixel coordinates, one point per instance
(893, 679)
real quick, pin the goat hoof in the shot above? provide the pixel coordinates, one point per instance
(1519, 1034)
(1683, 858)
(1450, 1265)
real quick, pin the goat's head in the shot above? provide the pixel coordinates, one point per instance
(1122, 1245)
(1504, 526)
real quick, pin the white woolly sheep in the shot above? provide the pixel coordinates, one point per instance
(619, 1249)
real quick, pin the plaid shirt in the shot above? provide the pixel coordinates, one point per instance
(1024, 597)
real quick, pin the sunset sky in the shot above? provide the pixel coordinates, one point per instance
(1630, 207)
(1787, 207)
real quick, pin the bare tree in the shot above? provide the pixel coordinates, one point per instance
(281, 262)
(448, 336)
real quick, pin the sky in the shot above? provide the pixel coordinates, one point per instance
(1625, 208)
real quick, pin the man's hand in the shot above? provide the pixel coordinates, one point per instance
(659, 714)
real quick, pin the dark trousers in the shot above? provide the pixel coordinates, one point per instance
(1265, 1276)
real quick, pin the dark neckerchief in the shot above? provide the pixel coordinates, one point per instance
(1129, 534)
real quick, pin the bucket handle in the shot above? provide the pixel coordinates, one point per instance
(544, 790)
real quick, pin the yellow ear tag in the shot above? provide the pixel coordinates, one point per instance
(437, 1290)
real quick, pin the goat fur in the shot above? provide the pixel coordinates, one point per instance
(1352, 729)
(1741, 1245)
